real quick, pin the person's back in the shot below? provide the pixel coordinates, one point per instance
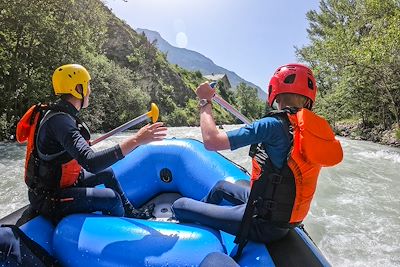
(284, 169)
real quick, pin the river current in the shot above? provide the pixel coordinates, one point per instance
(354, 218)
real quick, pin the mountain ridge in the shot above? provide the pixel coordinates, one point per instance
(195, 61)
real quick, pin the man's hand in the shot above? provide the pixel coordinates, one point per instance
(151, 132)
(204, 91)
(146, 134)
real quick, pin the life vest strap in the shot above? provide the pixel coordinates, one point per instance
(42, 192)
(277, 178)
(48, 115)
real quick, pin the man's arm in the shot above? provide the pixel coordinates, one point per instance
(65, 131)
(213, 139)
(72, 141)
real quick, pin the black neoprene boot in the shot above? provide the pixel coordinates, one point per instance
(145, 212)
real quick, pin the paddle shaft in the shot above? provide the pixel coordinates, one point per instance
(152, 114)
(121, 128)
(220, 101)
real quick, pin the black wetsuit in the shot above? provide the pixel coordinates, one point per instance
(61, 133)
(17, 249)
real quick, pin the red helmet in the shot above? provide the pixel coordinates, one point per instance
(292, 78)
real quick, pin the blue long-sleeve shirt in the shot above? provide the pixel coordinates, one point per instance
(270, 132)
(60, 132)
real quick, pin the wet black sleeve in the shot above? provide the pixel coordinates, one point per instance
(9, 246)
(67, 134)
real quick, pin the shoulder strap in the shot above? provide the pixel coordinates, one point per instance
(52, 111)
(36, 249)
(48, 115)
(282, 116)
(242, 236)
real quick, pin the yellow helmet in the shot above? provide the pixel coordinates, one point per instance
(67, 77)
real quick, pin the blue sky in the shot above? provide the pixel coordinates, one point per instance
(249, 37)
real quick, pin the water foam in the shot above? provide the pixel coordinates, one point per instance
(381, 154)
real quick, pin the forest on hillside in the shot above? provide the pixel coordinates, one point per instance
(128, 72)
(354, 52)
(353, 49)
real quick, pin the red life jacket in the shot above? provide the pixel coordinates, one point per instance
(26, 132)
(283, 196)
(61, 170)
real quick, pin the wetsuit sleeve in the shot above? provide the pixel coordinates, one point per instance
(266, 130)
(67, 134)
(9, 245)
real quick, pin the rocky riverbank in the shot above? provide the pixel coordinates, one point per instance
(354, 130)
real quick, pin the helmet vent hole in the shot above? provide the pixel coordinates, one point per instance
(310, 84)
(290, 79)
(70, 76)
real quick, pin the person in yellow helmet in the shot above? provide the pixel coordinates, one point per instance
(62, 170)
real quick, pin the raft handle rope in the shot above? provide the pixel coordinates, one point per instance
(166, 175)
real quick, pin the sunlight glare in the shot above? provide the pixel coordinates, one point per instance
(181, 40)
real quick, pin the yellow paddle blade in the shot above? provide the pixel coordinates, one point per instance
(153, 113)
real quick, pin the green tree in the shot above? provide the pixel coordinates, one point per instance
(115, 98)
(248, 102)
(36, 37)
(355, 54)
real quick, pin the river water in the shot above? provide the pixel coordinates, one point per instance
(354, 218)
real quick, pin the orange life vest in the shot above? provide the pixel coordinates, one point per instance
(64, 173)
(313, 146)
(282, 197)
(26, 132)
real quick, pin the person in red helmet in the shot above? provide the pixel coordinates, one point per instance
(288, 148)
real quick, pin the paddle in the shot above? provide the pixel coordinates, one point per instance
(220, 101)
(152, 114)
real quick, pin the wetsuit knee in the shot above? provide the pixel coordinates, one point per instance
(111, 203)
(180, 205)
(218, 259)
(220, 185)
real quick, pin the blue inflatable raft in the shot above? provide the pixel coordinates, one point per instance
(160, 173)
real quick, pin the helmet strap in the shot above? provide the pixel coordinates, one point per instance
(308, 104)
(79, 89)
(83, 100)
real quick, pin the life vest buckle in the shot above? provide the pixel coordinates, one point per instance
(257, 202)
(270, 204)
(276, 178)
